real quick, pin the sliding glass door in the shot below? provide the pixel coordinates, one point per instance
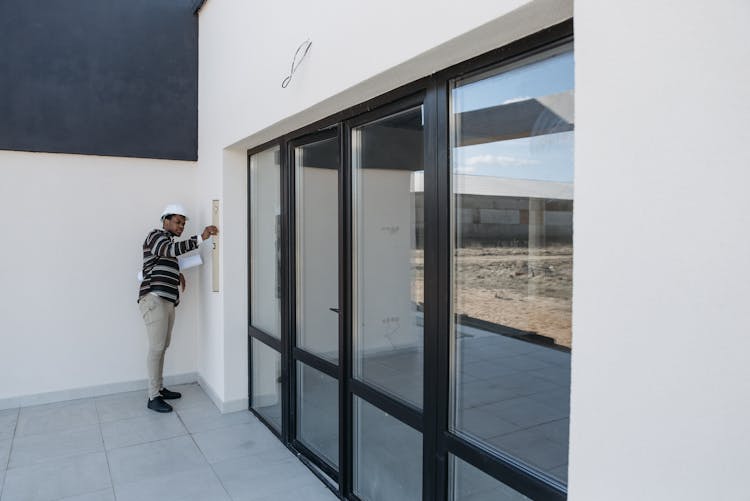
(411, 281)
(316, 350)
(387, 171)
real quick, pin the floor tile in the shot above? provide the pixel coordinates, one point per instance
(141, 462)
(482, 424)
(526, 412)
(193, 396)
(247, 466)
(191, 485)
(122, 406)
(524, 363)
(56, 417)
(4, 452)
(484, 369)
(141, 430)
(479, 393)
(41, 447)
(197, 419)
(57, 479)
(8, 419)
(248, 479)
(558, 398)
(105, 495)
(555, 374)
(551, 356)
(314, 491)
(235, 441)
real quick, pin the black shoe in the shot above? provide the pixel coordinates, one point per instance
(159, 405)
(169, 395)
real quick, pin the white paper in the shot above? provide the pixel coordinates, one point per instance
(185, 263)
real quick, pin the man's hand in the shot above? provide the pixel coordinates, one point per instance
(182, 282)
(208, 231)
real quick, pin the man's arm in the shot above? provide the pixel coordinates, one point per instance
(162, 247)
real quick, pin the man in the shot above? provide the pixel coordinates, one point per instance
(160, 294)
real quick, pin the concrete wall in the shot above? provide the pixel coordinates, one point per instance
(660, 337)
(73, 227)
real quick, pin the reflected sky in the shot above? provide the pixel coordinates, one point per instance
(546, 157)
(548, 76)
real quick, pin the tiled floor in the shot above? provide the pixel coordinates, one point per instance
(113, 448)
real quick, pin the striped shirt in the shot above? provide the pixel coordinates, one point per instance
(161, 271)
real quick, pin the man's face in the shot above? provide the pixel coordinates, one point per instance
(175, 224)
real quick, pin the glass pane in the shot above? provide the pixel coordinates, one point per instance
(387, 456)
(512, 161)
(471, 484)
(387, 170)
(265, 243)
(318, 413)
(317, 248)
(266, 369)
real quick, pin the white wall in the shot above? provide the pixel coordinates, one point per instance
(365, 49)
(661, 377)
(72, 231)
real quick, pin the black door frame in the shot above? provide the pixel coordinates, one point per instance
(438, 442)
(295, 353)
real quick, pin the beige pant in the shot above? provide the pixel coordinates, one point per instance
(158, 315)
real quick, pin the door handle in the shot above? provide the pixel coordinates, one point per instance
(335, 310)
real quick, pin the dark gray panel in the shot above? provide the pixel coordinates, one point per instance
(102, 77)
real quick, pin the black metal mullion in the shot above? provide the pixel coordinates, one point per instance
(401, 411)
(326, 367)
(265, 338)
(287, 239)
(443, 295)
(346, 426)
(249, 285)
(431, 203)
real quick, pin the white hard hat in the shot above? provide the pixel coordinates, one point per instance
(174, 209)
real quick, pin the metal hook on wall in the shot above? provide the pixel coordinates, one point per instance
(304, 48)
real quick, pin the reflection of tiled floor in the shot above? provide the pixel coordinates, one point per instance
(112, 447)
(398, 373)
(511, 395)
(514, 396)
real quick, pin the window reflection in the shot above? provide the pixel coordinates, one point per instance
(512, 162)
(387, 161)
(387, 456)
(265, 242)
(470, 484)
(266, 376)
(317, 413)
(317, 248)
